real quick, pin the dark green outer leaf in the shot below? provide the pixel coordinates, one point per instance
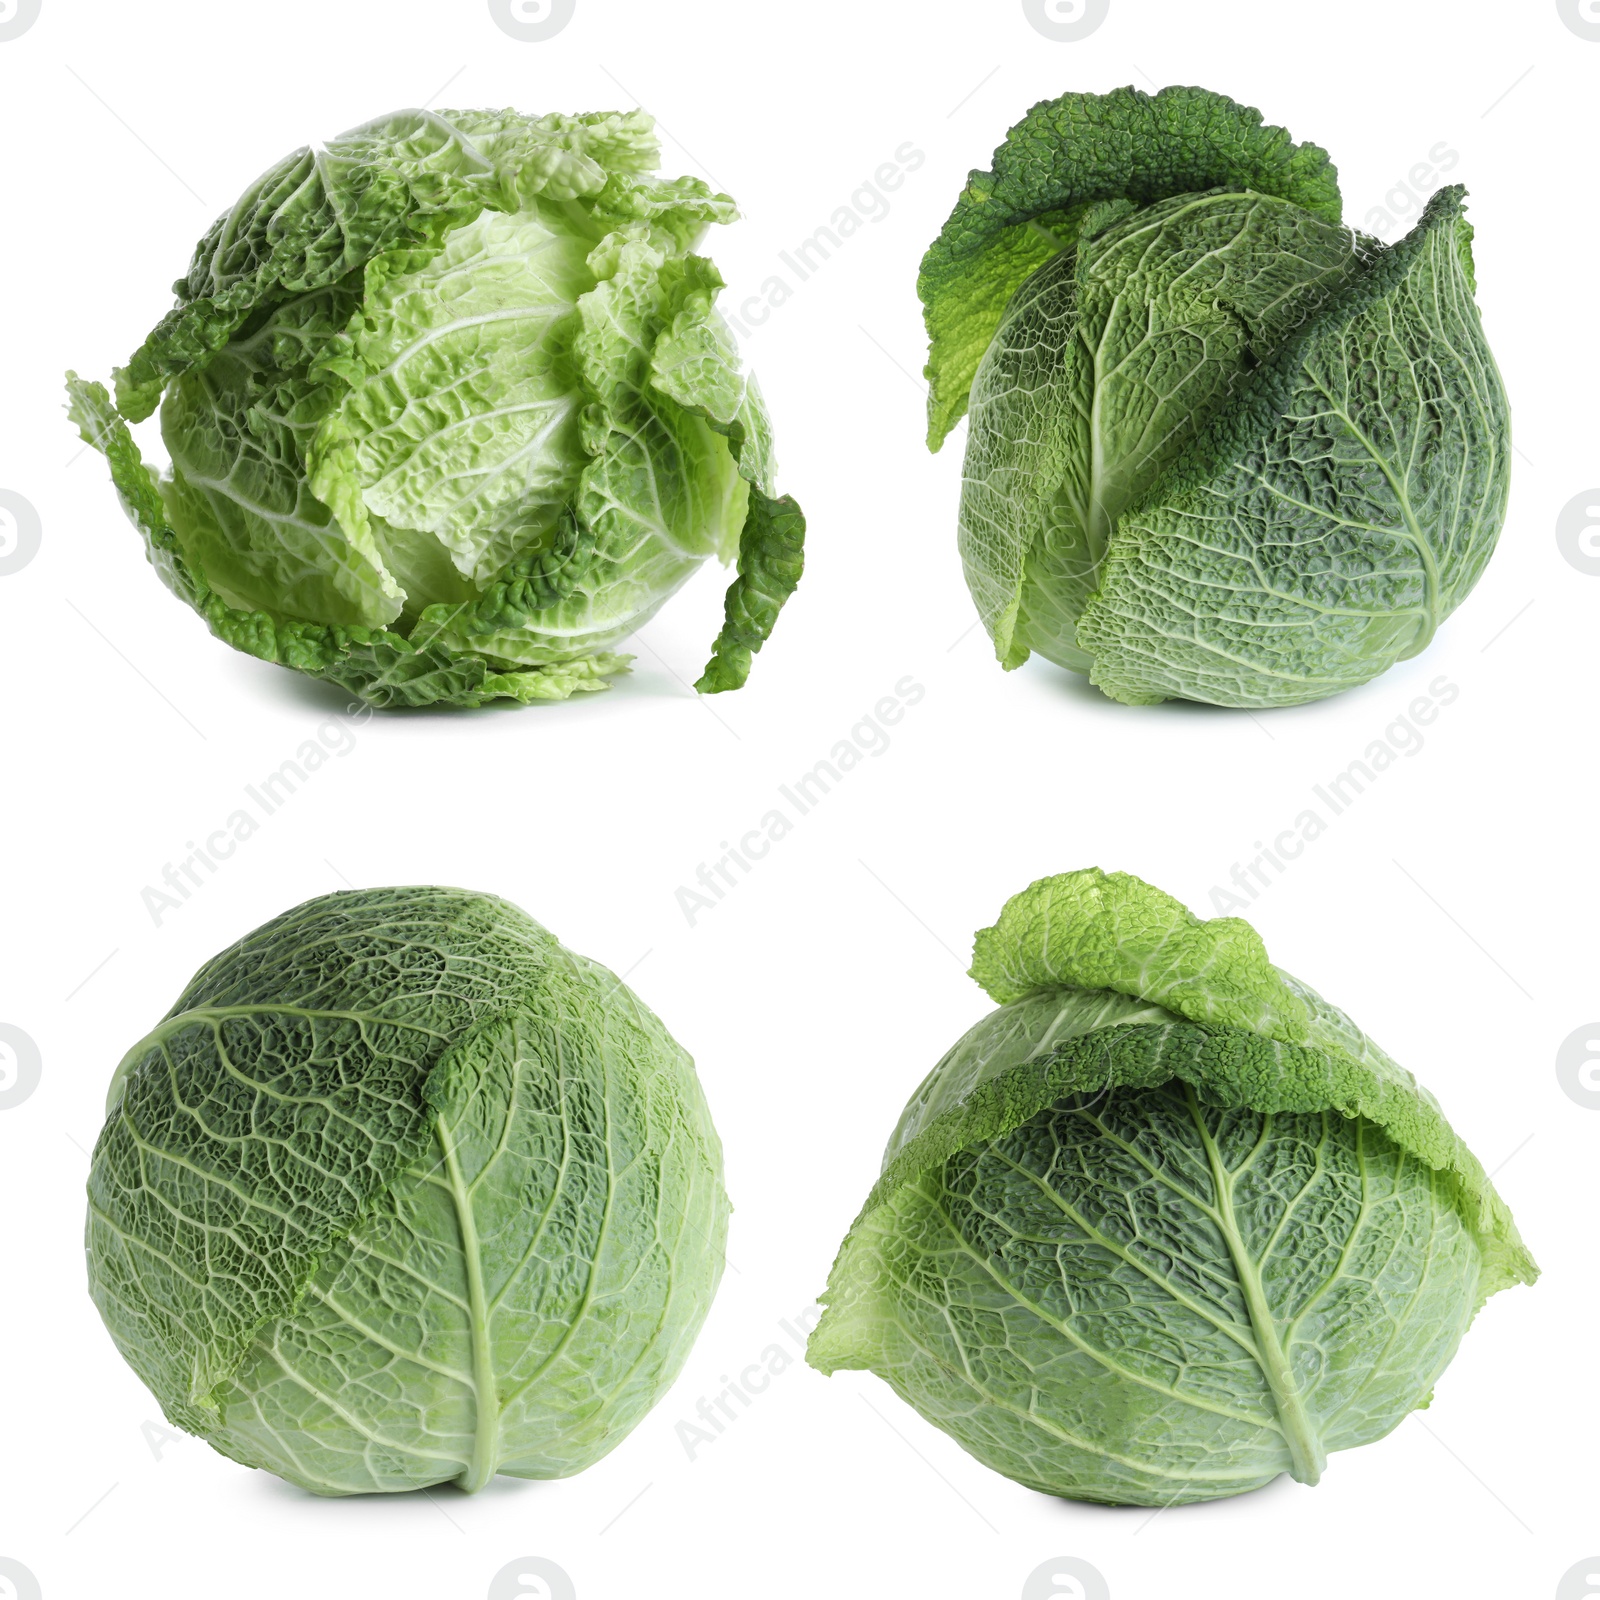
(1058, 162)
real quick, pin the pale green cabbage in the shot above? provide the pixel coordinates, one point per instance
(401, 1192)
(451, 413)
(1166, 1225)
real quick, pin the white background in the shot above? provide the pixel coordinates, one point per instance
(1450, 908)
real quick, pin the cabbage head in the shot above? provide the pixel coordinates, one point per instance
(403, 1192)
(1221, 448)
(1166, 1224)
(451, 412)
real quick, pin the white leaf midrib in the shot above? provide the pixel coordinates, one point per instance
(1306, 1454)
(486, 1430)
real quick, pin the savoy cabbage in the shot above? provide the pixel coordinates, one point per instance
(400, 1192)
(1166, 1225)
(451, 412)
(1221, 448)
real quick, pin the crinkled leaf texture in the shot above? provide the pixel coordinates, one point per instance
(1166, 1225)
(1221, 448)
(402, 1192)
(451, 412)
(1065, 158)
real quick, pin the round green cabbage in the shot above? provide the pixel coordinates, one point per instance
(403, 1192)
(451, 412)
(1220, 447)
(1166, 1225)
